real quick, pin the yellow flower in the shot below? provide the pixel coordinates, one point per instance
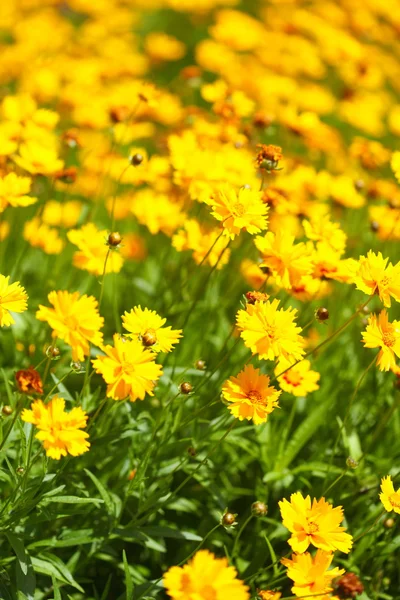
(14, 190)
(147, 326)
(380, 333)
(93, 250)
(251, 395)
(376, 276)
(269, 332)
(128, 369)
(287, 261)
(395, 164)
(239, 210)
(206, 244)
(311, 575)
(13, 297)
(205, 577)
(38, 159)
(389, 497)
(159, 46)
(321, 230)
(300, 380)
(61, 214)
(268, 595)
(74, 319)
(60, 431)
(40, 235)
(317, 523)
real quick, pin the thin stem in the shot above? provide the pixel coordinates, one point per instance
(239, 533)
(103, 277)
(371, 526)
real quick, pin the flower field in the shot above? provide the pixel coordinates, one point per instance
(199, 299)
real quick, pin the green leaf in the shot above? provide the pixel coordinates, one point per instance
(26, 580)
(56, 589)
(128, 578)
(102, 491)
(53, 567)
(168, 532)
(70, 500)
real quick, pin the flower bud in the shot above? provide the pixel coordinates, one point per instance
(186, 387)
(352, 463)
(389, 523)
(53, 352)
(7, 410)
(77, 366)
(20, 470)
(114, 239)
(136, 159)
(359, 185)
(259, 509)
(192, 451)
(322, 314)
(200, 365)
(374, 226)
(228, 519)
(149, 338)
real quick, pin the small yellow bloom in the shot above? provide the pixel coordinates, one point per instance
(389, 497)
(239, 210)
(299, 380)
(311, 575)
(60, 431)
(269, 595)
(38, 159)
(148, 327)
(317, 523)
(13, 298)
(380, 333)
(128, 369)
(14, 190)
(40, 235)
(376, 276)
(93, 250)
(205, 577)
(250, 395)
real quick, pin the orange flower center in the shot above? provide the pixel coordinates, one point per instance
(72, 322)
(293, 377)
(128, 368)
(238, 209)
(254, 396)
(312, 528)
(384, 282)
(394, 500)
(208, 593)
(389, 338)
(270, 331)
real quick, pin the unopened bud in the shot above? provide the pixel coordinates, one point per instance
(137, 159)
(53, 352)
(192, 451)
(352, 463)
(259, 509)
(374, 226)
(186, 387)
(228, 519)
(200, 365)
(114, 239)
(77, 366)
(359, 185)
(389, 523)
(7, 410)
(20, 470)
(322, 314)
(149, 338)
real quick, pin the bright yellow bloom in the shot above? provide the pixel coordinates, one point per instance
(376, 276)
(13, 298)
(38, 159)
(269, 332)
(205, 577)
(310, 575)
(287, 261)
(300, 380)
(317, 523)
(93, 250)
(60, 431)
(205, 244)
(268, 595)
(14, 190)
(74, 319)
(380, 333)
(40, 235)
(321, 230)
(61, 214)
(128, 369)
(251, 396)
(148, 327)
(389, 497)
(159, 46)
(239, 210)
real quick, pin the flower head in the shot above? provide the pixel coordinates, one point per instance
(317, 523)
(14, 191)
(60, 431)
(270, 332)
(389, 497)
(148, 327)
(13, 298)
(380, 333)
(268, 595)
(310, 574)
(376, 276)
(239, 210)
(128, 369)
(298, 380)
(93, 250)
(250, 395)
(29, 381)
(74, 319)
(205, 577)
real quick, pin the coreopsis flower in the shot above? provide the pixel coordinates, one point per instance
(298, 380)
(383, 334)
(40, 235)
(268, 156)
(38, 159)
(270, 332)
(60, 431)
(205, 577)
(13, 298)
(148, 327)
(317, 523)
(250, 395)
(206, 244)
(287, 261)
(389, 497)
(268, 595)
(321, 230)
(29, 381)
(14, 191)
(311, 575)
(376, 276)
(74, 319)
(239, 210)
(129, 369)
(93, 250)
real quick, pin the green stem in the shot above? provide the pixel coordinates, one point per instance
(239, 533)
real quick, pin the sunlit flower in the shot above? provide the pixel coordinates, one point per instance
(38, 159)
(40, 235)
(93, 250)
(317, 524)
(205, 577)
(268, 595)
(60, 432)
(250, 395)
(383, 334)
(13, 298)
(311, 575)
(239, 210)
(389, 497)
(298, 380)
(74, 319)
(128, 369)
(14, 191)
(376, 276)
(148, 327)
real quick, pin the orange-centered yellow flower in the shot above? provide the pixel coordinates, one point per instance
(298, 380)
(60, 432)
(205, 577)
(310, 575)
(147, 326)
(14, 191)
(93, 251)
(128, 369)
(250, 395)
(389, 497)
(376, 276)
(268, 595)
(74, 319)
(270, 332)
(13, 298)
(380, 333)
(239, 210)
(317, 523)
